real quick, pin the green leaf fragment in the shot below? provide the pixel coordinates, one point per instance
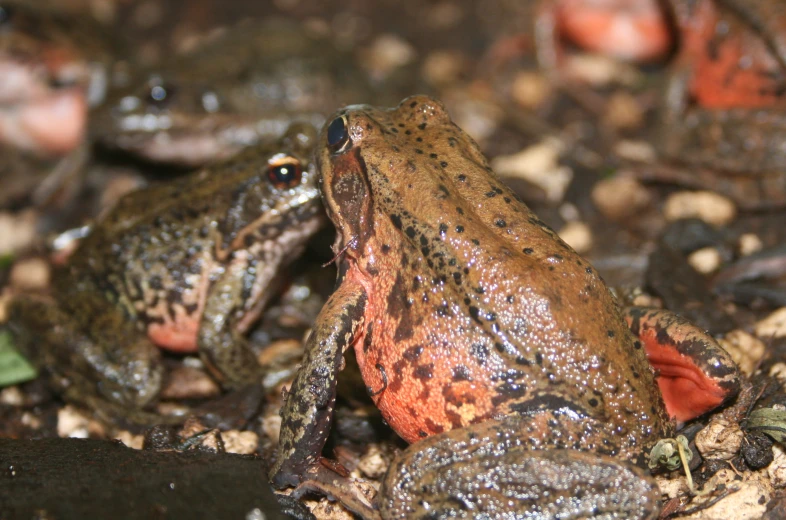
(769, 421)
(14, 368)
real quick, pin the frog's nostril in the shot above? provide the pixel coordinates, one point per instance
(337, 135)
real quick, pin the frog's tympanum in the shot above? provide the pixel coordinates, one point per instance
(228, 93)
(479, 334)
(53, 67)
(187, 266)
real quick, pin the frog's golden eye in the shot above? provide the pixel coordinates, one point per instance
(284, 171)
(338, 135)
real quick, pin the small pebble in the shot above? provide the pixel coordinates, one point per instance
(624, 112)
(773, 326)
(746, 350)
(30, 274)
(577, 235)
(240, 442)
(708, 206)
(705, 260)
(720, 439)
(750, 243)
(538, 164)
(620, 197)
(530, 89)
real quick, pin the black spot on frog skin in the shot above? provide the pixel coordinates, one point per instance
(457, 278)
(422, 126)
(410, 231)
(433, 155)
(461, 373)
(479, 352)
(461, 177)
(418, 151)
(459, 229)
(500, 223)
(434, 427)
(385, 248)
(420, 140)
(610, 333)
(408, 132)
(424, 372)
(491, 194)
(528, 250)
(637, 344)
(412, 353)
(474, 313)
(539, 358)
(443, 164)
(421, 433)
(396, 220)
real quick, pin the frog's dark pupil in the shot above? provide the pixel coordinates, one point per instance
(337, 134)
(285, 175)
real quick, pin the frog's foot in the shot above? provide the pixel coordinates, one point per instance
(486, 474)
(337, 486)
(694, 373)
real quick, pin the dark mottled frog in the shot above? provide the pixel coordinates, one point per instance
(228, 93)
(187, 266)
(480, 334)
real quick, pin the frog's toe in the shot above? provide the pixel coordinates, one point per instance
(694, 373)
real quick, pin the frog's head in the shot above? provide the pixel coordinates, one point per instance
(392, 161)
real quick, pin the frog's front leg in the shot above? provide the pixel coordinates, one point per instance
(509, 468)
(227, 314)
(308, 410)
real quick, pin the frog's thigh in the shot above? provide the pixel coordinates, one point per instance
(694, 373)
(483, 476)
(110, 358)
(307, 413)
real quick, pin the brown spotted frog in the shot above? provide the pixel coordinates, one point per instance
(187, 266)
(482, 337)
(724, 104)
(232, 91)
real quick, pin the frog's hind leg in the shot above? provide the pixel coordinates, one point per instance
(694, 373)
(489, 471)
(119, 366)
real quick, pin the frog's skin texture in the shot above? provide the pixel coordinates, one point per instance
(234, 90)
(54, 66)
(723, 108)
(187, 265)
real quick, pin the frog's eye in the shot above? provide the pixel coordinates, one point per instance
(337, 134)
(160, 93)
(284, 171)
